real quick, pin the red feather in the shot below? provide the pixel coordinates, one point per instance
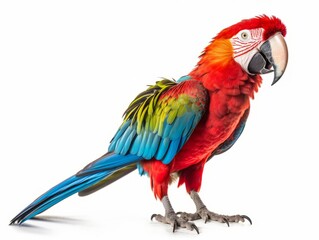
(271, 25)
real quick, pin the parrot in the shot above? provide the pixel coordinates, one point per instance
(173, 128)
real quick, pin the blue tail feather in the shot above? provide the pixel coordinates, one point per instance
(90, 175)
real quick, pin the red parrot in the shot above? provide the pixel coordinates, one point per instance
(173, 128)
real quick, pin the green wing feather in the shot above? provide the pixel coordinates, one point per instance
(144, 104)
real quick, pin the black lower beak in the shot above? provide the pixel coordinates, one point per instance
(272, 56)
(261, 62)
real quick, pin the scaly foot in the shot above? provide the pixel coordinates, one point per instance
(172, 218)
(203, 213)
(207, 215)
(175, 221)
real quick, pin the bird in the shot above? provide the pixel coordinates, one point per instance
(173, 128)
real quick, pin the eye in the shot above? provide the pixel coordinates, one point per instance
(244, 35)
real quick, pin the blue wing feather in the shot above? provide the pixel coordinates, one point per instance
(118, 134)
(172, 150)
(143, 143)
(162, 148)
(166, 129)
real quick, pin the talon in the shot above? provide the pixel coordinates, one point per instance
(207, 218)
(226, 221)
(153, 216)
(175, 225)
(196, 228)
(179, 213)
(247, 218)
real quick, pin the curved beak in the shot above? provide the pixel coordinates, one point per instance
(272, 56)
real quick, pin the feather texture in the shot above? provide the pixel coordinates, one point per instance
(160, 120)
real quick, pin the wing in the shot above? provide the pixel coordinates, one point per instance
(160, 120)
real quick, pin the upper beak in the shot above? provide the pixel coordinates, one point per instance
(272, 56)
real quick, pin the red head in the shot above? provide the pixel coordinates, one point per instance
(271, 25)
(242, 52)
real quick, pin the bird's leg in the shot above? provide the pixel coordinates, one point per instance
(203, 213)
(172, 218)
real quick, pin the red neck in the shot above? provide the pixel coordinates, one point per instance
(229, 78)
(218, 70)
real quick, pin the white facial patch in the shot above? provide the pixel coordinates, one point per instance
(245, 44)
(244, 59)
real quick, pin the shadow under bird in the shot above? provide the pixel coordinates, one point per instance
(173, 128)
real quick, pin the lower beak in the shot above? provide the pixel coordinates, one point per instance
(272, 56)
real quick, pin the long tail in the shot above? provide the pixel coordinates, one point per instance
(100, 173)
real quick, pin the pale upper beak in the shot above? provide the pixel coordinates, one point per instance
(272, 56)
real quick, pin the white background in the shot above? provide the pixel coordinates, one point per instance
(68, 69)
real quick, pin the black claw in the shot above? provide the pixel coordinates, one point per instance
(247, 218)
(175, 225)
(153, 216)
(207, 218)
(179, 213)
(196, 228)
(226, 221)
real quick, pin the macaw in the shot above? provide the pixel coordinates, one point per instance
(173, 128)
